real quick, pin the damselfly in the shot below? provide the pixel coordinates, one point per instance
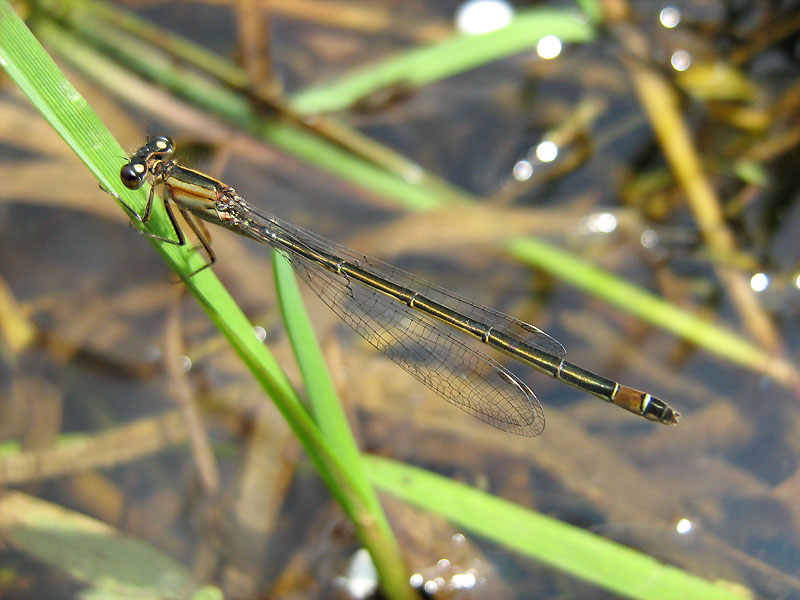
(405, 317)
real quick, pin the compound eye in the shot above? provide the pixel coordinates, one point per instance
(132, 175)
(162, 146)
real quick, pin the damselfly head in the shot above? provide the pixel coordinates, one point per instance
(157, 148)
(160, 146)
(132, 174)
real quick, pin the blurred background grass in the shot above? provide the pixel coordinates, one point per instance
(669, 204)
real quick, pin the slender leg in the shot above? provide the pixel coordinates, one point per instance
(145, 218)
(198, 228)
(202, 236)
(129, 208)
(171, 215)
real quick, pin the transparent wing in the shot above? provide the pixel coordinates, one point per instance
(460, 374)
(429, 350)
(493, 318)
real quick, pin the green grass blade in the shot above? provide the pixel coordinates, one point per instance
(648, 307)
(325, 403)
(111, 564)
(331, 418)
(70, 115)
(235, 109)
(422, 66)
(584, 555)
